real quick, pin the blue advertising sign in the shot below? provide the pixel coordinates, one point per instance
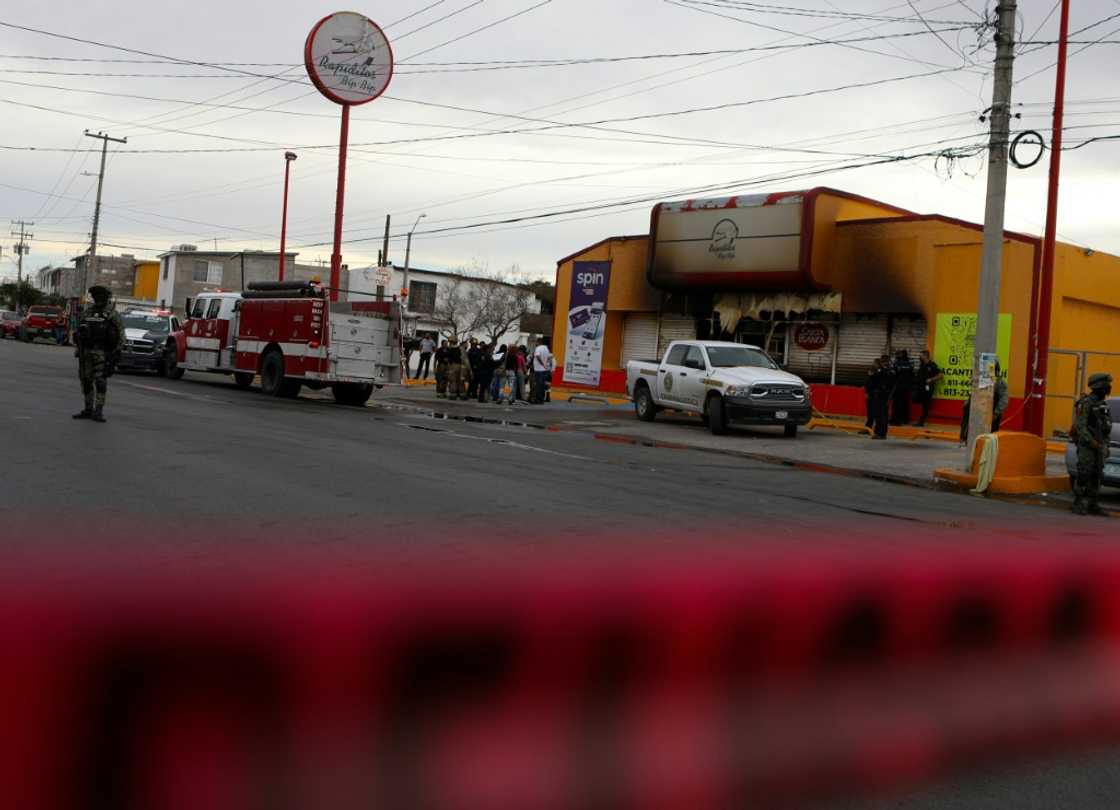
(587, 321)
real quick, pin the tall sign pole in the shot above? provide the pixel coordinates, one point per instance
(1036, 405)
(349, 59)
(987, 310)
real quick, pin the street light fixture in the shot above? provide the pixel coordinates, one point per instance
(288, 158)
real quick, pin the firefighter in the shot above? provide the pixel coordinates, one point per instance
(454, 370)
(441, 370)
(1092, 432)
(99, 342)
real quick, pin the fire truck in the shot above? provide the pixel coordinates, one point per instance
(292, 336)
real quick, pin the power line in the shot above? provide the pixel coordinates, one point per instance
(476, 30)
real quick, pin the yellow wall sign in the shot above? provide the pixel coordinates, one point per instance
(953, 345)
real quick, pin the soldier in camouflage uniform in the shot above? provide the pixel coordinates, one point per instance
(1092, 431)
(99, 342)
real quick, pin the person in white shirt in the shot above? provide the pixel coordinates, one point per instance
(542, 370)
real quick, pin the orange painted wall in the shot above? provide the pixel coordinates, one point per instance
(629, 292)
(831, 209)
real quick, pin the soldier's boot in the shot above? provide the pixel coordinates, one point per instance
(1079, 507)
(1094, 508)
(84, 413)
(98, 416)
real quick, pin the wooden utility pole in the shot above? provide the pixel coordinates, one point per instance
(987, 309)
(21, 247)
(97, 206)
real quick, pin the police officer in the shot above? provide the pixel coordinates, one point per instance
(1092, 431)
(99, 341)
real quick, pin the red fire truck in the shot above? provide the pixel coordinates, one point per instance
(292, 336)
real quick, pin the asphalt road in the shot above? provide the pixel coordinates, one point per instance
(199, 468)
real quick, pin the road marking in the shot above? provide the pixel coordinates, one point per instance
(167, 391)
(491, 440)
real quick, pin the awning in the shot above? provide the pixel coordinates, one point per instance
(733, 307)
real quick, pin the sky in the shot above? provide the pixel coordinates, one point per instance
(573, 117)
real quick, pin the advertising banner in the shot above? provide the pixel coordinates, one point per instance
(953, 345)
(587, 321)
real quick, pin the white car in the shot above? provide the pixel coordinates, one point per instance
(724, 383)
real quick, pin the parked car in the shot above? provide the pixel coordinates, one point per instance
(1111, 477)
(724, 383)
(44, 321)
(154, 341)
(9, 323)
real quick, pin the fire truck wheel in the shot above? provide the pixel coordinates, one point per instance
(243, 378)
(351, 393)
(272, 373)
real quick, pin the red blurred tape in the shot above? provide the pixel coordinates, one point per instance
(734, 682)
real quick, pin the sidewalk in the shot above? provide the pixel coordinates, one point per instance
(909, 456)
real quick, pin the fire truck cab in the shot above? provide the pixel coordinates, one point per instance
(292, 336)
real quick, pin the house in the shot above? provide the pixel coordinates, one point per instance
(185, 271)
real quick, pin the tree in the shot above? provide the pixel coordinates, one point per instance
(488, 306)
(20, 297)
(455, 309)
(502, 305)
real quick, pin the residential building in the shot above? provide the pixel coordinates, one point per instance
(185, 271)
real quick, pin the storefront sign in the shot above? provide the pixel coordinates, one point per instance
(348, 58)
(953, 347)
(812, 337)
(587, 321)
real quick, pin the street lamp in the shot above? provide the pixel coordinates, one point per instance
(288, 158)
(407, 254)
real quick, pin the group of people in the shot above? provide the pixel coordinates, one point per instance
(486, 371)
(892, 386)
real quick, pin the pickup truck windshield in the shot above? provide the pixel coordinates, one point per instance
(9, 316)
(45, 312)
(149, 323)
(738, 356)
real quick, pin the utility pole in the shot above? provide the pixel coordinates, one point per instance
(21, 248)
(97, 206)
(1036, 402)
(987, 309)
(407, 257)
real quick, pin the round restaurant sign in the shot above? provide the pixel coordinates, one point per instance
(348, 58)
(812, 337)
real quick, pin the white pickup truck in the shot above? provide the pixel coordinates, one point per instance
(725, 383)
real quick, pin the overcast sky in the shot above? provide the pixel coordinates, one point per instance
(153, 200)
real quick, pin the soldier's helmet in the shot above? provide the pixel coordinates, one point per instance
(1100, 380)
(100, 292)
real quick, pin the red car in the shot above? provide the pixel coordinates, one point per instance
(9, 323)
(44, 321)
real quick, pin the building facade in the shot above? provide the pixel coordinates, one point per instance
(185, 271)
(826, 281)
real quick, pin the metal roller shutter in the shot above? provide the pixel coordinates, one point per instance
(675, 327)
(639, 337)
(861, 340)
(910, 333)
(810, 366)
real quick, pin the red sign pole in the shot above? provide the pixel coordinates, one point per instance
(339, 202)
(288, 158)
(1036, 414)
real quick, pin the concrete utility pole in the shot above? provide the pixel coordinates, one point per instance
(21, 247)
(97, 206)
(987, 309)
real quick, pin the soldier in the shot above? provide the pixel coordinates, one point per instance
(1092, 432)
(454, 372)
(99, 341)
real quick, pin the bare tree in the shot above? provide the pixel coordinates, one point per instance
(482, 304)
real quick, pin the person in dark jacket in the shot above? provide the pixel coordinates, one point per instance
(474, 360)
(929, 374)
(903, 382)
(485, 371)
(882, 389)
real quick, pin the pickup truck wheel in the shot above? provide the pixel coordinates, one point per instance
(272, 373)
(243, 378)
(717, 419)
(351, 393)
(170, 367)
(790, 431)
(644, 406)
